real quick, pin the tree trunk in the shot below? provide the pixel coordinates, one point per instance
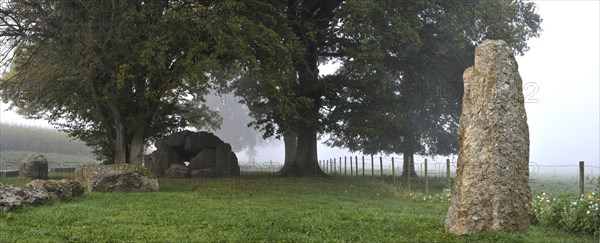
(136, 148)
(120, 135)
(120, 144)
(306, 163)
(408, 166)
(290, 143)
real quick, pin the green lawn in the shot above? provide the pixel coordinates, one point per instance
(336, 209)
(56, 159)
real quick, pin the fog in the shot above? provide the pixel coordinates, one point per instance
(561, 85)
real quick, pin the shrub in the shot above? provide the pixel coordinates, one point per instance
(581, 215)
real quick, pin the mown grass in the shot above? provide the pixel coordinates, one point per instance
(248, 210)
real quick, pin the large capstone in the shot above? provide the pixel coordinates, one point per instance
(491, 190)
(34, 166)
(116, 178)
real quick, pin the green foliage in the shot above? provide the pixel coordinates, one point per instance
(399, 89)
(332, 210)
(581, 215)
(118, 74)
(40, 140)
(392, 54)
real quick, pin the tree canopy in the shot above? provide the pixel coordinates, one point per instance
(399, 85)
(118, 73)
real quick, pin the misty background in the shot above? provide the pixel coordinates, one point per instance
(561, 80)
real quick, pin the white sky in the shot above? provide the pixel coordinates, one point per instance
(561, 72)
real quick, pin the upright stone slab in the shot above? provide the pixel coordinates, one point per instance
(491, 191)
(34, 166)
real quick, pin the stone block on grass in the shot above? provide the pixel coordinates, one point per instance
(116, 178)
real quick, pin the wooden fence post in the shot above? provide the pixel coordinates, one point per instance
(334, 165)
(363, 160)
(356, 163)
(408, 173)
(381, 167)
(393, 172)
(372, 167)
(448, 173)
(345, 166)
(426, 180)
(581, 181)
(351, 173)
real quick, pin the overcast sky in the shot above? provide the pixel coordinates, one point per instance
(561, 84)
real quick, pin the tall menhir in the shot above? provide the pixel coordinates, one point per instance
(492, 191)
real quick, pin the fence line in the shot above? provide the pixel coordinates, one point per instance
(363, 166)
(437, 170)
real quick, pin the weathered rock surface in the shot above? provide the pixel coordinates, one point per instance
(34, 166)
(203, 173)
(38, 192)
(177, 171)
(9, 173)
(160, 159)
(234, 166)
(206, 153)
(116, 178)
(491, 190)
(203, 160)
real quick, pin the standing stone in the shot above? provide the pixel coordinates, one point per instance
(203, 160)
(234, 166)
(34, 166)
(491, 191)
(161, 159)
(222, 153)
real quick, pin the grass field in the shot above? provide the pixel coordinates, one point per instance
(247, 210)
(67, 159)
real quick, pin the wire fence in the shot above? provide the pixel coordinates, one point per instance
(424, 173)
(55, 169)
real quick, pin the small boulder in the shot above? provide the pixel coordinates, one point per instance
(10, 197)
(116, 178)
(177, 171)
(62, 190)
(38, 192)
(34, 166)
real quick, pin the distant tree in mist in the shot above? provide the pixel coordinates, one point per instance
(234, 121)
